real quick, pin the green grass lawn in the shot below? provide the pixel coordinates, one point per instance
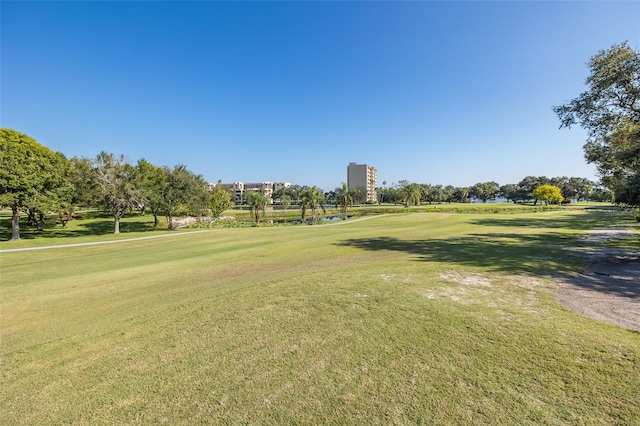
(402, 319)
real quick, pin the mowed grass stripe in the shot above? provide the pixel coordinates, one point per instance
(359, 324)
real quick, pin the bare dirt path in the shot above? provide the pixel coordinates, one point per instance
(609, 290)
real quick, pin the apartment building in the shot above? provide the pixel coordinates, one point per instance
(240, 189)
(364, 177)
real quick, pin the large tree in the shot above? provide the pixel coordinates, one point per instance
(183, 189)
(610, 112)
(485, 191)
(116, 186)
(152, 181)
(550, 194)
(29, 172)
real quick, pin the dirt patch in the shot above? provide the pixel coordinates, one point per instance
(466, 278)
(609, 290)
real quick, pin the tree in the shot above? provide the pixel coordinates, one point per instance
(256, 201)
(580, 188)
(51, 198)
(485, 191)
(437, 194)
(292, 191)
(511, 192)
(610, 112)
(312, 198)
(83, 183)
(425, 192)
(218, 200)
(183, 189)
(461, 194)
(550, 194)
(28, 172)
(344, 198)
(285, 201)
(381, 191)
(528, 184)
(390, 195)
(152, 182)
(116, 188)
(411, 193)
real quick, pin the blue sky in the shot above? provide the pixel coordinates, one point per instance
(429, 92)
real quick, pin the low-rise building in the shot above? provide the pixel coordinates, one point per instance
(240, 189)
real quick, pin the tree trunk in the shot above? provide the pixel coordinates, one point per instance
(170, 221)
(116, 224)
(15, 223)
(31, 220)
(155, 220)
(41, 222)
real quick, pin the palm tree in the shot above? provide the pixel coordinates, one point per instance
(256, 202)
(285, 201)
(312, 198)
(344, 198)
(411, 194)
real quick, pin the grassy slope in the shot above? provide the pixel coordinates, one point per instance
(432, 318)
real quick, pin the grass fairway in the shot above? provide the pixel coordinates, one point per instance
(401, 319)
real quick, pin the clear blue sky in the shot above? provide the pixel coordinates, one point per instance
(430, 92)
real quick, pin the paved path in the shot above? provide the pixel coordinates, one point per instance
(95, 243)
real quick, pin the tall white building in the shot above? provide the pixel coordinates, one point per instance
(364, 177)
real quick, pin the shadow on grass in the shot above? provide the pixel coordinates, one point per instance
(89, 224)
(510, 253)
(614, 275)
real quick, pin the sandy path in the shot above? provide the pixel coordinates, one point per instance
(609, 290)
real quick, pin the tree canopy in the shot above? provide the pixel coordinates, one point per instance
(218, 200)
(610, 112)
(116, 186)
(30, 174)
(182, 188)
(550, 194)
(485, 191)
(411, 194)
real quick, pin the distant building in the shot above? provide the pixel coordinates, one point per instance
(364, 177)
(241, 189)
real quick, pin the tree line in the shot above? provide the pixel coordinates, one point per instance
(37, 181)
(571, 188)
